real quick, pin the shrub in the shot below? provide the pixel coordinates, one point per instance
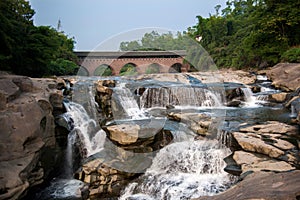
(291, 55)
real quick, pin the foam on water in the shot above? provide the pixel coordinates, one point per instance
(183, 170)
(128, 102)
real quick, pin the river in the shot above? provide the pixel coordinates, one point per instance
(188, 167)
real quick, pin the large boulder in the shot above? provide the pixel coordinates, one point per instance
(124, 134)
(278, 97)
(273, 139)
(285, 76)
(27, 132)
(272, 146)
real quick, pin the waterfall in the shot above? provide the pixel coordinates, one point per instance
(183, 170)
(128, 102)
(250, 99)
(89, 133)
(261, 77)
(180, 96)
(293, 112)
(69, 155)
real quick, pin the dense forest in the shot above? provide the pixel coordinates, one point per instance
(30, 50)
(244, 34)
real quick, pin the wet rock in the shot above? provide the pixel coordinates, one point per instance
(231, 166)
(263, 185)
(289, 103)
(169, 107)
(104, 96)
(234, 94)
(103, 180)
(199, 123)
(234, 103)
(255, 88)
(294, 105)
(147, 136)
(285, 76)
(61, 84)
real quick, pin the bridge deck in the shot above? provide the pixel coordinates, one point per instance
(130, 54)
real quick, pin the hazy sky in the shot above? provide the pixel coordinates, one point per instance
(91, 22)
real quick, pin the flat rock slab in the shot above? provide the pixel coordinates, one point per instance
(124, 134)
(256, 162)
(273, 127)
(253, 143)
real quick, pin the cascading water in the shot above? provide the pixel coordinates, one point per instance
(250, 100)
(91, 136)
(293, 112)
(183, 170)
(181, 96)
(69, 155)
(128, 103)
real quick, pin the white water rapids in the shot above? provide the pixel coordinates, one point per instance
(183, 170)
(128, 102)
(182, 96)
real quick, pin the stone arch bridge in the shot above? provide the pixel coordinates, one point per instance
(165, 61)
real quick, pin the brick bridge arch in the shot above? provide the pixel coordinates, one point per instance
(141, 59)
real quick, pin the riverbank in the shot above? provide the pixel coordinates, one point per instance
(34, 141)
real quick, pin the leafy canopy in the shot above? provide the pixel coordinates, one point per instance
(30, 50)
(244, 34)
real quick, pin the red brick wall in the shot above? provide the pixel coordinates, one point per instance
(141, 63)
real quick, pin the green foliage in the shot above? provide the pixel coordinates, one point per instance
(153, 69)
(61, 67)
(250, 33)
(291, 55)
(83, 72)
(128, 70)
(154, 42)
(244, 34)
(30, 50)
(103, 70)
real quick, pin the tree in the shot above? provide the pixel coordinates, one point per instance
(128, 70)
(15, 22)
(30, 50)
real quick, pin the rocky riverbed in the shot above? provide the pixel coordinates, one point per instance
(264, 152)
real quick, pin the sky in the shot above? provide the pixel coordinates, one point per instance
(103, 24)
